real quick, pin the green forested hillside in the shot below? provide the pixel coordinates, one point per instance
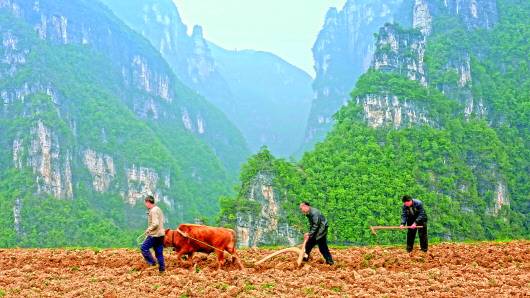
(501, 77)
(84, 136)
(470, 169)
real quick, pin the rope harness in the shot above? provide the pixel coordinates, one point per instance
(138, 239)
(186, 235)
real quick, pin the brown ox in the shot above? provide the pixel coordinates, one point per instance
(189, 238)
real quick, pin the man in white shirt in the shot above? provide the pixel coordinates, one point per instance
(155, 235)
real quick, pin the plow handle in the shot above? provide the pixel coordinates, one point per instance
(301, 255)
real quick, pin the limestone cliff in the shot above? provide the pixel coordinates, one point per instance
(383, 110)
(400, 51)
(267, 226)
(342, 52)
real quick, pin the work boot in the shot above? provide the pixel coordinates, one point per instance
(330, 262)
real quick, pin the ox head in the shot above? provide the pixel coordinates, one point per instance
(173, 239)
(168, 239)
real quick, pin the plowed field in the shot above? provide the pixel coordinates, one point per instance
(448, 270)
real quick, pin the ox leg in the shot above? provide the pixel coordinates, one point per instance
(235, 258)
(231, 248)
(220, 259)
(179, 257)
(182, 253)
(238, 261)
(192, 262)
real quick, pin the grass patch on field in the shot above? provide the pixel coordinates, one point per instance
(309, 291)
(249, 286)
(267, 286)
(222, 286)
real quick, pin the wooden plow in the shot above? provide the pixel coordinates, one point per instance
(299, 250)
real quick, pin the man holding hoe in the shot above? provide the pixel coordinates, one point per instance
(414, 215)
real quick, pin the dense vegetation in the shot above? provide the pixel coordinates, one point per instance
(48, 222)
(358, 174)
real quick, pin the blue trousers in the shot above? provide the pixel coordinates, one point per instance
(157, 243)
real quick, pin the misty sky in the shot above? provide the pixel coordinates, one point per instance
(287, 28)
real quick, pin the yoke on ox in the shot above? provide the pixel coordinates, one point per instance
(190, 238)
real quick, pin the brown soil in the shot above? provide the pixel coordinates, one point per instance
(448, 270)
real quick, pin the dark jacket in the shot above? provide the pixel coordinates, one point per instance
(318, 225)
(414, 214)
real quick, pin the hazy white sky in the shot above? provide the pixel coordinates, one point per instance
(287, 28)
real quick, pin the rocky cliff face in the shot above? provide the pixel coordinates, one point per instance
(400, 51)
(267, 227)
(460, 65)
(142, 181)
(13, 55)
(41, 152)
(54, 23)
(53, 176)
(17, 218)
(159, 21)
(101, 168)
(342, 52)
(389, 110)
(473, 15)
(201, 65)
(421, 17)
(500, 197)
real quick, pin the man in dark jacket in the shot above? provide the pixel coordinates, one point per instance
(413, 214)
(318, 231)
